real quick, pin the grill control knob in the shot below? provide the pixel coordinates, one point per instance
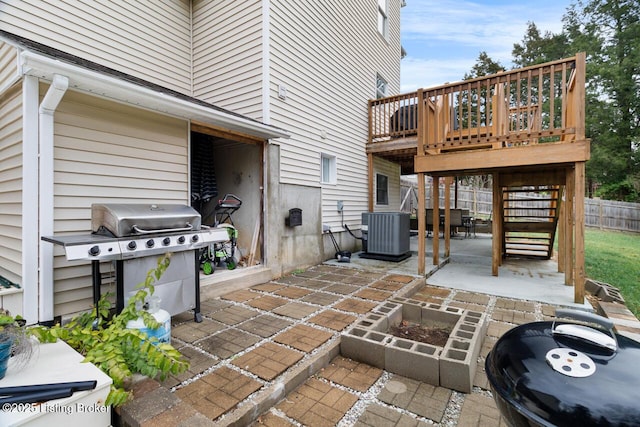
(150, 243)
(181, 239)
(94, 250)
(132, 245)
(194, 238)
(166, 241)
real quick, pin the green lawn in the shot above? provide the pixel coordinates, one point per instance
(614, 258)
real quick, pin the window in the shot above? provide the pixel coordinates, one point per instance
(381, 87)
(383, 20)
(328, 169)
(382, 189)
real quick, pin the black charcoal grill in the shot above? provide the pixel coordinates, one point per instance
(565, 373)
(133, 236)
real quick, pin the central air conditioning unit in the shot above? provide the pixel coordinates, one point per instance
(386, 236)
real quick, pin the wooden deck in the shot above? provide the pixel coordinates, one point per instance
(522, 126)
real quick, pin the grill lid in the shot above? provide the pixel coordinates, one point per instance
(127, 219)
(530, 391)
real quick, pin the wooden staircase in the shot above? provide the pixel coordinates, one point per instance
(530, 219)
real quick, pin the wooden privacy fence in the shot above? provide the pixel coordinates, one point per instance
(603, 214)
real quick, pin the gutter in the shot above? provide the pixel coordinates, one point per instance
(50, 102)
(113, 88)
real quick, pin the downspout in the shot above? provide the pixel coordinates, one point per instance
(30, 238)
(46, 111)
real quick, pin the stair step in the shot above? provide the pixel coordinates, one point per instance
(530, 226)
(540, 244)
(533, 248)
(537, 254)
(518, 199)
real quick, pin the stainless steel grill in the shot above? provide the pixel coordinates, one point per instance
(133, 235)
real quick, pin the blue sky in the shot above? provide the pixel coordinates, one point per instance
(443, 38)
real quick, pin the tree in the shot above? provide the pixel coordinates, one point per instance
(484, 65)
(609, 31)
(537, 49)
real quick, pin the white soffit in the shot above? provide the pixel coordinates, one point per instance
(110, 87)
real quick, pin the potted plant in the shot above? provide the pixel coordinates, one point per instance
(12, 337)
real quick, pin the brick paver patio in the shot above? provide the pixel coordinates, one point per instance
(355, 306)
(479, 410)
(420, 398)
(252, 342)
(333, 319)
(264, 325)
(268, 360)
(349, 373)
(316, 403)
(303, 337)
(377, 415)
(218, 392)
(228, 343)
(296, 310)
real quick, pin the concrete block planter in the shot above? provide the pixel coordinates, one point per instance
(415, 360)
(452, 366)
(365, 345)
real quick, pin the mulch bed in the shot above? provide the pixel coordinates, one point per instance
(425, 334)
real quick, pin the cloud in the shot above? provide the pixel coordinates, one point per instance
(443, 38)
(424, 73)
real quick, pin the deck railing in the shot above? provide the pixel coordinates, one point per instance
(537, 104)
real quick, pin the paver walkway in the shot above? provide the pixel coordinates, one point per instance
(269, 355)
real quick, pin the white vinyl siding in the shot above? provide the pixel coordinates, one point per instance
(108, 153)
(227, 55)
(149, 40)
(327, 55)
(11, 185)
(392, 172)
(8, 64)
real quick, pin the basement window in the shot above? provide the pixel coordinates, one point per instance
(328, 169)
(382, 189)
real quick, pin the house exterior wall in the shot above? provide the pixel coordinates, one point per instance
(392, 172)
(227, 55)
(8, 65)
(11, 185)
(149, 40)
(105, 152)
(236, 55)
(327, 56)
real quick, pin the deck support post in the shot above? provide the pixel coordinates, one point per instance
(562, 225)
(435, 188)
(496, 226)
(422, 225)
(569, 227)
(579, 275)
(447, 217)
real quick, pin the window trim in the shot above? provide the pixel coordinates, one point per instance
(333, 169)
(385, 86)
(383, 18)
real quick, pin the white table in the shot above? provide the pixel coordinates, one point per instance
(57, 363)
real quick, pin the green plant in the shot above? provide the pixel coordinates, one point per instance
(9, 324)
(118, 351)
(14, 342)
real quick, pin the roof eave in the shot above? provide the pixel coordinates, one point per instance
(109, 87)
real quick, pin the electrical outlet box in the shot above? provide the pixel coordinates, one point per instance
(340, 205)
